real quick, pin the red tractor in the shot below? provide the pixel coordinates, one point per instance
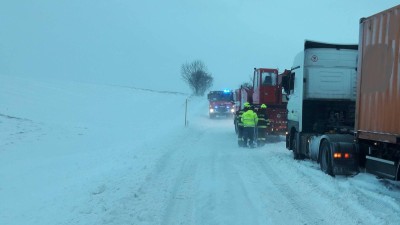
(267, 89)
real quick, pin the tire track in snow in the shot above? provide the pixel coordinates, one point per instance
(214, 190)
(338, 200)
(234, 197)
(343, 200)
(189, 208)
(305, 212)
(162, 186)
(179, 207)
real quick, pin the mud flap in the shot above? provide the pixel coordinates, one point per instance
(344, 158)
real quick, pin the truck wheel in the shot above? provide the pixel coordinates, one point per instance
(296, 155)
(325, 159)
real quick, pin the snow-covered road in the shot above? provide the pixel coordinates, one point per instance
(73, 153)
(206, 179)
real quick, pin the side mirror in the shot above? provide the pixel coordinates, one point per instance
(285, 84)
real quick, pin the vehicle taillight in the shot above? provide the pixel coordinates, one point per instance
(337, 155)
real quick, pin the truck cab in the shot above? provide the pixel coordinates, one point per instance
(321, 107)
(265, 85)
(221, 103)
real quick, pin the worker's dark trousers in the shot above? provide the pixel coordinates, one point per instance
(248, 135)
(240, 136)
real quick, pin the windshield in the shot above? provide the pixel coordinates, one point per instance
(220, 96)
(268, 78)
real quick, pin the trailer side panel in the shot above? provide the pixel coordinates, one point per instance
(378, 105)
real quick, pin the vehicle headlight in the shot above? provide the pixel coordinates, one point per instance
(211, 110)
(232, 110)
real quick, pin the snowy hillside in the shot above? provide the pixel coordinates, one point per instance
(80, 153)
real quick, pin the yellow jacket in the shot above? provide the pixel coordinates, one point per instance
(249, 118)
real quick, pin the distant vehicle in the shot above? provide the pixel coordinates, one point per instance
(221, 103)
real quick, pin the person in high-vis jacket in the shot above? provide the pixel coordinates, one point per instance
(263, 122)
(239, 123)
(249, 120)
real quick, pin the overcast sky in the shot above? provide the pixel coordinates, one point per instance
(144, 43)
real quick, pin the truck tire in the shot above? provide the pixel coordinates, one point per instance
(293, 142)
(297, 155)
(325, 161)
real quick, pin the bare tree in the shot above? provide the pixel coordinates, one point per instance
(196, 76)
(248, 84)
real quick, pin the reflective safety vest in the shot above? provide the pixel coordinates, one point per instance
(249, 118)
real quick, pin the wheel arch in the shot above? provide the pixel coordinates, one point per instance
(331, 138)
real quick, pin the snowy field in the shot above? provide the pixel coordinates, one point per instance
(80, 153)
